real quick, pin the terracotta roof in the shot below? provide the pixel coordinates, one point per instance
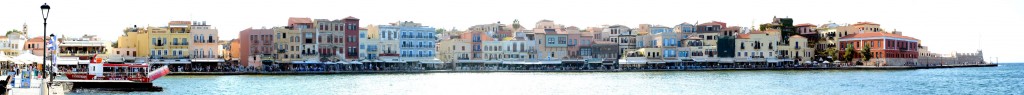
(743, 36)
(36, 39)
(756, 32)
(714, 23)
(865, 23)
(179, 22)
(299, 20)
(806, 24)
(350, 17)
(877, 34)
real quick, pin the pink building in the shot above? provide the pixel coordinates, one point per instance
(255, 43)
(35, 44)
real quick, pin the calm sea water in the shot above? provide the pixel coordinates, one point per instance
(1005, 79)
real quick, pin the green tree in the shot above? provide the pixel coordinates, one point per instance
(828, 52)
(439, 31)
(9, 32)
(848, 53)
(866, 51)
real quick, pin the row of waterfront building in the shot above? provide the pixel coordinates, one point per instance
(344, 41)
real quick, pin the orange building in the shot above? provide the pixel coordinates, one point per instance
(887, 49)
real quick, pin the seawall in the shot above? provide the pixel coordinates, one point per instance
(648, 70)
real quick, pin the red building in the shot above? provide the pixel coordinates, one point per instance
(351, 37)
(887, 49)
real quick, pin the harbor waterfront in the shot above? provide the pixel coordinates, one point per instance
(1003, 79)
(640, 70)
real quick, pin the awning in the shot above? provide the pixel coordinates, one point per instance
(598, 61)
(492, 62)
(306, 62)
(655, 61)
(550, 62)
(328, 62)
(469, 61)
(170, 62)
(726, 61)
(574, 61)
(354, 62)
(672, 60)
(432, 62)
(208, 60)
(67, 62)
(393, 61)
(700, 60)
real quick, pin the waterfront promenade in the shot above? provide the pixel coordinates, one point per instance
(606, 70)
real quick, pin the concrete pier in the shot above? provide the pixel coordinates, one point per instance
(109, 85)
(646, 70)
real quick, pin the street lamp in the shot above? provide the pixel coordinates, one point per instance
(46, 14)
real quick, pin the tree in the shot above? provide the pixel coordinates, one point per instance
(866, 51)
(828, 52)
(848, 53)
(9, 32)
(439, 31)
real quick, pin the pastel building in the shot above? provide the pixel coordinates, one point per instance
(204, 47)
(35, 45)
(553, 40)
(453, 50)
(134, 45)
(415, 41)
(368, 44)
(256, 47)
(12, 43)
(624, 36)
(296, 43)
(331, 39)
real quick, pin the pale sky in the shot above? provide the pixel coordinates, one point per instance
(943, 25)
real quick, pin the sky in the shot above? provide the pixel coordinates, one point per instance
(945, 26)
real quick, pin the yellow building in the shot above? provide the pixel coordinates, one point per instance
(168, 42)
(287, 42)
(129, 44)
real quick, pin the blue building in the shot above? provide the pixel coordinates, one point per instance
(416, 42)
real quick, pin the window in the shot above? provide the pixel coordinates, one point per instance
(561, 40)
(551, 40)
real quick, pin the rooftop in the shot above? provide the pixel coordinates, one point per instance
(299, 20)
(865, 23)
(877, 34)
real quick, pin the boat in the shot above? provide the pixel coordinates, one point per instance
(99, 70)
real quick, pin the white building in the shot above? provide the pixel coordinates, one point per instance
(204, 46)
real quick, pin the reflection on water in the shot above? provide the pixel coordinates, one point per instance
(1007, 78)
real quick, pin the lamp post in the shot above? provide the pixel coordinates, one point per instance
(46, 14)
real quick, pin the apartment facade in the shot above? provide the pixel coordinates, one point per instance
(204, 46)
(256, 46)
(887, 49)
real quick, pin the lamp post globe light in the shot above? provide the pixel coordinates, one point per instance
(46, 14)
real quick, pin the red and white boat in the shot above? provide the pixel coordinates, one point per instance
(137, 72)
